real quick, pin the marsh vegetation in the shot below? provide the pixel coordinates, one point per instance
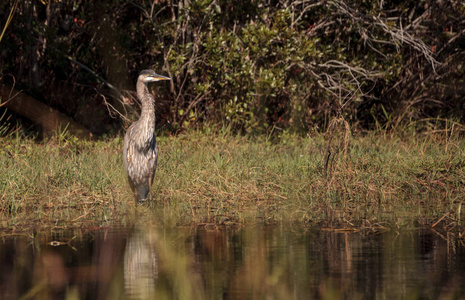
(337, 113)
(371, 181)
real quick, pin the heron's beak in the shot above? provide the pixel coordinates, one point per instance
(158, 78)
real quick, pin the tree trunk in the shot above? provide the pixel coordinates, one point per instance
(49, 118)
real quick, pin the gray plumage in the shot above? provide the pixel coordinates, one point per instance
(140, 145)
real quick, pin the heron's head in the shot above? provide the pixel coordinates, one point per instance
(150, 76)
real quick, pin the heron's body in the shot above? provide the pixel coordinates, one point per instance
(140, 145)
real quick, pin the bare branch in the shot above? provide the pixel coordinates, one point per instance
(397, 35)
(305, 8)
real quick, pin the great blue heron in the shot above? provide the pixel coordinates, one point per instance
(140, 146)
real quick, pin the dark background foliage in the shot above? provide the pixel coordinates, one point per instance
(254, 65)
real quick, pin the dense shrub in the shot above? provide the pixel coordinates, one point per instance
(254, 65)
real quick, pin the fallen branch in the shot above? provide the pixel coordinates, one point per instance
(49, 118)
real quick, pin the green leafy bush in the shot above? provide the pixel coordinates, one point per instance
(253, 65)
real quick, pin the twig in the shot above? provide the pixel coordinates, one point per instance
(442, 218)
(9, 19)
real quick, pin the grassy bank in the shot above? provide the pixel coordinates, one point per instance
(207, 178)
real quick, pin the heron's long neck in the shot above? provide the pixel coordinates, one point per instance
(146, 122)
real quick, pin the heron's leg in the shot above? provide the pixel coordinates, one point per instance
(143, 192)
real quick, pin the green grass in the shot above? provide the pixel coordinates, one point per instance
(211, 178)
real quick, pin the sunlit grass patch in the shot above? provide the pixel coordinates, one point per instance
(208, 178)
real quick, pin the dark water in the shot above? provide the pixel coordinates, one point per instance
(244, 263)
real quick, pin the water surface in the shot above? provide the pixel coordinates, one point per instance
(231, 263)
